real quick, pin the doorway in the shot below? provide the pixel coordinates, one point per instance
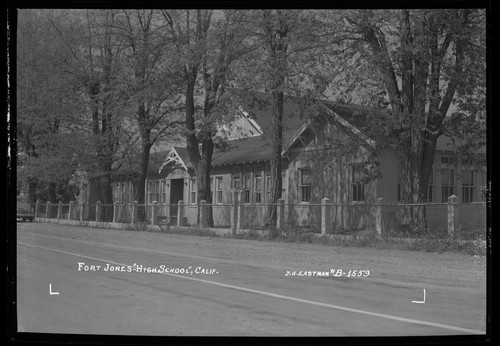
(176, 195)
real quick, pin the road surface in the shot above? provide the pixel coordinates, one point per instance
(237, 287)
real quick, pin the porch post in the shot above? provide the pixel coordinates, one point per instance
(180, 213)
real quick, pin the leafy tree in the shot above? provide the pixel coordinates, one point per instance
(287, 63)
(154, 88)
(48, 111)
(424, 62)
(94, 59)
(207, 43)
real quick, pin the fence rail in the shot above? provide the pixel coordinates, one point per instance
(325, 217)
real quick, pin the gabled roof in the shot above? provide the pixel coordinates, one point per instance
(176, 156)
(258, 105)
(251, 149)
(297, 115)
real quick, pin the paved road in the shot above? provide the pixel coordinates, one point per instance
(218, 296)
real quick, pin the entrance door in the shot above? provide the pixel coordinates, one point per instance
(176, 195)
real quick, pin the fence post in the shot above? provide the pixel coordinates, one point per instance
(325, 217)
(115, 207)
(59, 210)
(203, 212)
(132, 216)
(81, 211)
(378, 216)
(98, 211)
(154, 212)
(180, 213)
(71, 203)
(37, 204)
(235, 212)
(452, 215)
(47, 210)
(280, 214)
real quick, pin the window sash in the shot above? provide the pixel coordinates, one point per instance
(305, 185)
(193, 190)
(156, 191)
(123, 194)
(357, 188)
(358, 192)
(246, 196)
(305, 177)
(258, 182)
(448, 176)
(447, 191)
(467, 178)
(305, 193)
(218, 186)
(236, 182)
(163, 192)
(468, 194)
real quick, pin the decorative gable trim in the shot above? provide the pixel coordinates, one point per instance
(298, 135)
(173, 157)
(349, 126)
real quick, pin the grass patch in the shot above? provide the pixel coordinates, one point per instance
(427, 241)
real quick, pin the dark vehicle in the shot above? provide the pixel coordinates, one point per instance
(25, 210)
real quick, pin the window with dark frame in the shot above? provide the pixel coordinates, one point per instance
(212, 189)
(258, 188)
(236, 181)
(357, 187)
(447, 177)
(193, 191)
(156, 191)
(163, 192)
(117, 193)
(468, 187)
(124, 195)
(305, 184)
(447, 183)
(150, 191)
(246, 188)
(218, 187)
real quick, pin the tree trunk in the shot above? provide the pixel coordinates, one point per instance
(51, 193)
(203, 172)
(275, 163)
(141, 183)
(106, 192)
(276, 31)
